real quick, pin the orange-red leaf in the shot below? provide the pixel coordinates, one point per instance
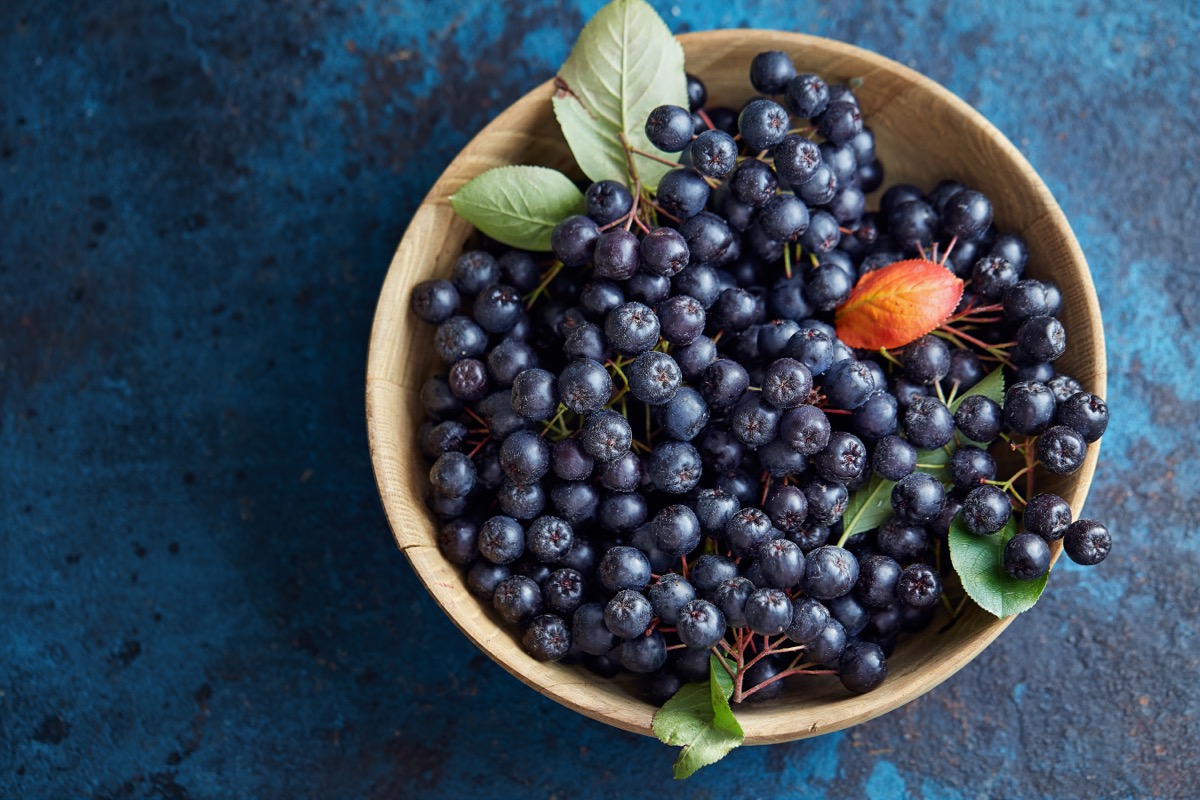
(898, 303)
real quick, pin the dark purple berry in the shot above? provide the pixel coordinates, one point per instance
(1026, 556)
(1087, 542)
(1047, 515)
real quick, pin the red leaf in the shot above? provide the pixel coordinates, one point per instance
(898, 303)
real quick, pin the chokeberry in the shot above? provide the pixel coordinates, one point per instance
(574, 240)
(768, 611)
(877, 579)
(1084, 413)
(1087, 542)
(986, 510)
(877, 418)
(928, 423)
(518, 599)
(644, 654)
(1047, 515)
(714, 153)
(967, 214)
(919, 586)
(668, 594)
(453, 475)
(826, 500)
(723, 383)
(781, 563)
(807, 95)
(848, 384)
(700, 624)
(840, 122)
(830, 572)
(843, 459)
(683, 192)
(992, 276)
(624, 567)
(435, 301)
(547, 638)
(525, 456)
(970, 467)
(1026, 556)
(1061, 450)
(753, 182)
(473, 270)
(771, 72)
(628, 614)
(669, 128)
(1028, 408)
(763, 124)
(675, 467)
(862, 667)
(978, 418)
(563, 590)
(1040, 339)
(903, 541)
(926, 360)
(918, 497)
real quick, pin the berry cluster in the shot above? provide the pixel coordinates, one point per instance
(642, 452)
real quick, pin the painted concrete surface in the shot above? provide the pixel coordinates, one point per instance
(200, 595)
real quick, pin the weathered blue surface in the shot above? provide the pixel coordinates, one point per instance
(200, 595)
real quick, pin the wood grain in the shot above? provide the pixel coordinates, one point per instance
(923, 133)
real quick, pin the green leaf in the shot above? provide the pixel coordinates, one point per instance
(519, 205)
(698, 717)
(979, 562)
(991, 386)
(871, 504)
(625, 64)
(869, 507)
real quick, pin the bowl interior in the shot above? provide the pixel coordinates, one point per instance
(923, 133)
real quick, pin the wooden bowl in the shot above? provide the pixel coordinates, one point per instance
(923, 133)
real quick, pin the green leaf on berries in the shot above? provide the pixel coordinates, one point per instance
(979, 562)
(625, 64)
(699, 718)
(871, 504)
(991, 387)
(869, 507)
(518, 205)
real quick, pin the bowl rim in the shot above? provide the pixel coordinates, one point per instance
(389, 452)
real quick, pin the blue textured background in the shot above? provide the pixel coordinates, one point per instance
(200, 595)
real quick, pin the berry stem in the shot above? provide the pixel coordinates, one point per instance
(633, 173)
(651, 156)
(618, 396)
(618, 221)
(555, 419)
(949, 249)
(549, 275)
(700, 112)
(787, 673)
(883, 351)
(479, 446)
(664, 212)
(721, 658)
(787, 262)
(953, 394)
